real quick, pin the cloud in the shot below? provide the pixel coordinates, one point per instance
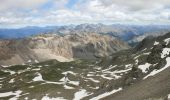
(10, 5)
(53, 12)
(60, 3)
(137, 5)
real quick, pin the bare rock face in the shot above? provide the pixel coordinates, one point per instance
(63, 48)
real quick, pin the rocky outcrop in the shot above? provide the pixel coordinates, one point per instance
(62, 48)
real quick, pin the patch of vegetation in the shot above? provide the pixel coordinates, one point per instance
(52, 75)
(18, 67)
(142, 59)
(2, 73)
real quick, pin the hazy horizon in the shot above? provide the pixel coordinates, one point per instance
(59, 25)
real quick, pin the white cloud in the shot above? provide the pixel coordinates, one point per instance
(10, 5)
(60, 3)
(92, 11)
(136, 5)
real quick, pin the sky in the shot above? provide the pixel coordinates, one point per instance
(20, 13)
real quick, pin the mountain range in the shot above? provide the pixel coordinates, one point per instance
(129, 33)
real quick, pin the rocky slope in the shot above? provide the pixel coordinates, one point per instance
(146, 69)
(140, 73)
(61, 47)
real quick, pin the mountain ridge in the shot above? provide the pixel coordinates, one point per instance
(63, 48)
(129, 33)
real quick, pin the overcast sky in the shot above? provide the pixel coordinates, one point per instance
(19, 13)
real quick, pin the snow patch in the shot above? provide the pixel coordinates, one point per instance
(98, 68)
(11, 72)
(110, 67)
(49, 82)
(165, 52)
(69, 72)
(80, 94)
(116, 76)
(128, 65)
(137, 57)
(106, 94)
(48, 98)
(147, 53)
(136, 61)
(2, 78)
(108, 78)
(168, 96)
(94, 87)
(31, 86)
(16, 94)
(68, 87)
(11, 81)
(26, 98)
(144, 49)
(156, 43)
(144, 67)
(39, 66)
(29, 61)
(63, 59)
(167, 41)
(36, 69)
(89, 75)
(96, 81)
(74, 83)
(66, 80)
(38, 77)
(5, 66)
(36, 61)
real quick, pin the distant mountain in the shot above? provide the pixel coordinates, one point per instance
(130, 33)
(24, 32)
(124, 32)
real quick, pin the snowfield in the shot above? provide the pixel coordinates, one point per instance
(16, 94)
(106, 94)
